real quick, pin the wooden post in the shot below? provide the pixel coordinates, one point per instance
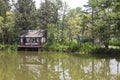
(39, 50)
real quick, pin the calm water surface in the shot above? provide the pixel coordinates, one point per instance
(57, 66)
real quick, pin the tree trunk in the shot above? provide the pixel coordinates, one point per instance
(3, 38)
(106, 44)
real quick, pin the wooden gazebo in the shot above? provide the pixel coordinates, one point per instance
(32, 39)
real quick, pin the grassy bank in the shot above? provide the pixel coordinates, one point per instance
(109, 51)
(69, 47)
(8, 47)
(82, 48)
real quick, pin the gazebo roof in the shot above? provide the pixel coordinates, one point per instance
(32, 33)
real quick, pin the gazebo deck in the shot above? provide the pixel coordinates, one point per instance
(29, 48)
(24, 46)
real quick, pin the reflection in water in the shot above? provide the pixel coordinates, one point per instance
(56, 66)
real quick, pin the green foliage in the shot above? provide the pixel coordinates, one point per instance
(62, 24)
(54, 47)
(74, 21)
(104, 19)
(69, 47)
(25, 15)
(10, 21)
(3, 8)
(7, 27)
(1, 23)
(8, 47)
(81, 47)
(2, 47)
(73, 46)
(114, 42)
(48, 13)
(105, 51)
(87, 47)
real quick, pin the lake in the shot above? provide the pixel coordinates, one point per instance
(57, 66)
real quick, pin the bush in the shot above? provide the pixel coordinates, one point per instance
(54, 47)
(2, 47)
(114, 42)
(105, 51)
(69, 47)
(8, 47)
(86, 47)
(74, 47)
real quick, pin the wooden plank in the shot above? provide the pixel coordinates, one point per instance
(29, 46)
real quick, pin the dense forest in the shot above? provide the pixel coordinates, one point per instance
(66, 28)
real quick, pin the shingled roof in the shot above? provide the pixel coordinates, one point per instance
(32, 33)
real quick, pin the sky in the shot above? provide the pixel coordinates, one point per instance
(76, 3)
(71, 3)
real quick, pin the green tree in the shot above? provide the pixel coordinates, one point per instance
(74, 21)
(1, 28)
(25, 15)
(116, 16)
(3, 8)
(86, 27)
(63, 22)
(48, 18)
(46, 14)
(9, 27)
(102, 20)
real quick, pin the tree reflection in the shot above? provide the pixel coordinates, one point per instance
(57, 66)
